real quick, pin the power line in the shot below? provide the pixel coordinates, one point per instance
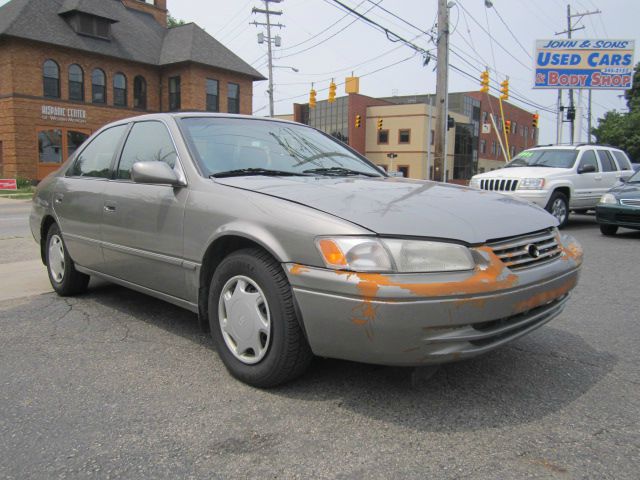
(326, 39)
(228, 22)
(511, 32)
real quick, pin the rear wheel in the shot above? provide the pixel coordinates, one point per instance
(608, 230)
(64, 277)
(254, 322)
(558, 206)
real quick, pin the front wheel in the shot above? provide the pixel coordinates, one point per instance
(558, 206)
(64, 277)
(608, 230)
(253, 320)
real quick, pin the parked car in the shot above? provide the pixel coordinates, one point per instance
(635, 166)
(620, 206)
(559, 178)
(287, 243)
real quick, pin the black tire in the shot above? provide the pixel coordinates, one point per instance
(608, 230)
(72, 281)
(558, 206)
(288, 354)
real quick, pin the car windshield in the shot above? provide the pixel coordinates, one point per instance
(239, 146)
(544, 158)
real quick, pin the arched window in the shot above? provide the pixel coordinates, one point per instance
(76, 83)
(140, 93)
(98, 90)
(119, 90)
(51, 79)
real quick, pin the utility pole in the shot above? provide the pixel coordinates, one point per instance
(442, 94)
(572, 27)
(269, 40)
(589, 121)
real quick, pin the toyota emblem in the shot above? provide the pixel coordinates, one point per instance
(533, 251)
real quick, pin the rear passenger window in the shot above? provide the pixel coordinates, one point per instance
(95, 160)
(589, 158)
(607, 161)
(623, 161)
(147, 142)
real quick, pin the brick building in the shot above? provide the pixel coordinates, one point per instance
(67, 67)
(522, 136)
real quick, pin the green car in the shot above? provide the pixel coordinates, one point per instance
(620, 206)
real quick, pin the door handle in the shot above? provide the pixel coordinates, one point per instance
(57, 198)
(598, 178)
(109, 208)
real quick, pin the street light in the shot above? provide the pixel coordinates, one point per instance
(282, 66)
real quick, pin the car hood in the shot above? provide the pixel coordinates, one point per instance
(522, 172)
(627, 190)
(394, 206)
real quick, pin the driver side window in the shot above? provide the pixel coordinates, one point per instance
(588, 158)
(147, 142)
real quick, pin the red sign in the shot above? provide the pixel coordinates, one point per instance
(8, 184)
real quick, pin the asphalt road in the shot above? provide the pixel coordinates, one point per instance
(114, 384)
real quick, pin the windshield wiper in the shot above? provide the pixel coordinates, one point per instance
(244, 172)
(338, 171)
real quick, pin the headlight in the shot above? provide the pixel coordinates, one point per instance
(609, 199)
(531, 184)
(474, 183)
(368, 254)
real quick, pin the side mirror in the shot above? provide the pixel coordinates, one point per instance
(155, 173)
(587, 169)
(624, 179)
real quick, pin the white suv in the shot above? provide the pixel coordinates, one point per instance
(559, 178)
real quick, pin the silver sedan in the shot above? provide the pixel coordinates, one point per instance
(289, 244)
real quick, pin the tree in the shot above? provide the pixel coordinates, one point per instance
(622, 130)
(174, 22)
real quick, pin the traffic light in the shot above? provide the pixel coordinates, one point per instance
(451, 122)
(358, 118)
(484, 81)
(534, 120)
(332, 92)
(379, 124)
(312, 98)
(507, 126)
(571, 113)
(504, 89)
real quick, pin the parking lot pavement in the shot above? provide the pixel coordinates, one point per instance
(114, 384)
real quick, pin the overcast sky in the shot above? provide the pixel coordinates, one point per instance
(341, 44)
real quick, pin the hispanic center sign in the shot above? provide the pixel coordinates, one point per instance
(584, 63)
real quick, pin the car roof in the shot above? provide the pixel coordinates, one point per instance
(572, 147)
(195, 114)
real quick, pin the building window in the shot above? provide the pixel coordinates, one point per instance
(233, 98)
(485, 117)
(514, 128)
(76, 83)
(404, 136)
(383, 137)
(212, 96)
(483, 146)
(50, 146)
(525, 132)
(494, 151)
(404, 170)
(433, 137)
(513, 151)
(98, 86)
(119, 90)
(174, 93)
(93, 26)
(140, 93)
(74, 140)
(51, 79)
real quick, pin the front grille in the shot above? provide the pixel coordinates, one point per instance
(499, 184)
(627, 218)
(630, 202)
(528, 250)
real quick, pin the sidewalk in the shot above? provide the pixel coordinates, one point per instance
(23, 279)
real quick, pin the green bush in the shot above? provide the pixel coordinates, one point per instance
(23, 182)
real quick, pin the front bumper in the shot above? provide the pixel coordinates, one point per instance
(620, 215)
(403, 319)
